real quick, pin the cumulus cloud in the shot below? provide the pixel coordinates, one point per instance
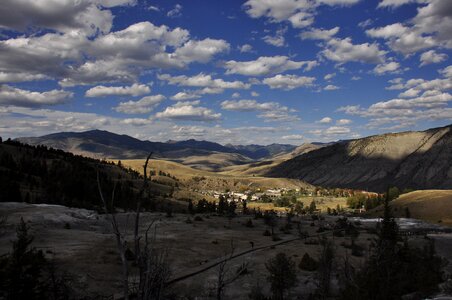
(328, 77)
(175, 12)
(292, 137)
(276, 40)
(246, 48)
(136, 121)
(431, 57)
(389, 67)
(446, 72)
(265, 65)
(325, 120)
(332, 131)
(343, 51)
(133, 90)
(343, 122)
(188, 111)
(319, 34)
(203, 80)
(270, 111)
(394, 3)
(86, 16)
(422, 100)
(249, 105)
(201, 51)
(331, 87)
(10, 95)
(298, 13)
(288, 82)
(431, 27)
(118, 56)
(142, 106)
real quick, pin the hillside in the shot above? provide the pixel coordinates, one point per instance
(428, 205)
(418, 160)
(44, 175)
(191, 179)
(201, 154)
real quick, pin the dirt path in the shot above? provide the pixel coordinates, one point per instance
(216, 262)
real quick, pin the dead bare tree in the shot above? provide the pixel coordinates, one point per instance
(153, 269)
(225, 276)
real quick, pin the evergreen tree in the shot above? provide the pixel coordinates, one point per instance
(21, 271)
(282, 275)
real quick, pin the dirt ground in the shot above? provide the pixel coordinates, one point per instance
(81, 243)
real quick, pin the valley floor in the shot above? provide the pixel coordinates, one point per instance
(80, 241)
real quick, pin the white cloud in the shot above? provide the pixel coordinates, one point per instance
(136, 121)
(422, 100)
(188, 111)
(319, 34)
(337, 130)
(356, 78)
(175, 12)
(254, 94)
(288, 82)
(185, 96)
(343, 51)
(265, 65)
(365, 23)
(446, 72)
(18, 97)
(119, 56)
(331, 87)
(133, 90)
(270, 111)
(201, 51)
(394, 3)
(20, 77)
(325, 120)
(142, 106)
(431, 27)
(292, 137)
(343, 122)
(246, 48)
(328, 77)
(300, 13)
(410, 93)
(88, 16)
(389, 67)
(203, 80)
(431, 57)
(249, 105)
(278, 39)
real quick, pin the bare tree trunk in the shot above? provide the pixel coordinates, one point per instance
(121, 243)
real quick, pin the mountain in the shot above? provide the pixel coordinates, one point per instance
(259, 152)
(415, 159)
(101, 144)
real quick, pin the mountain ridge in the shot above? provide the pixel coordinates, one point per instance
(101, 143)
(410, 159)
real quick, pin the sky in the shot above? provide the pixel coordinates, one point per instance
(229, 71)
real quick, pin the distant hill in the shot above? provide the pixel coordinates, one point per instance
(428, 205)
(262, 167)
(414, 159)
(104, 144)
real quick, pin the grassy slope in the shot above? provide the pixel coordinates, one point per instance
(428, 205)
(212, 180)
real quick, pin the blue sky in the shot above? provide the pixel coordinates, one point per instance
(241, 72)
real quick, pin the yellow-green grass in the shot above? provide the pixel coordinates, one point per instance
(429, 205)
(205, 180)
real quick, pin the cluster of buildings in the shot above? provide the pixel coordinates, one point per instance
(248, 195)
